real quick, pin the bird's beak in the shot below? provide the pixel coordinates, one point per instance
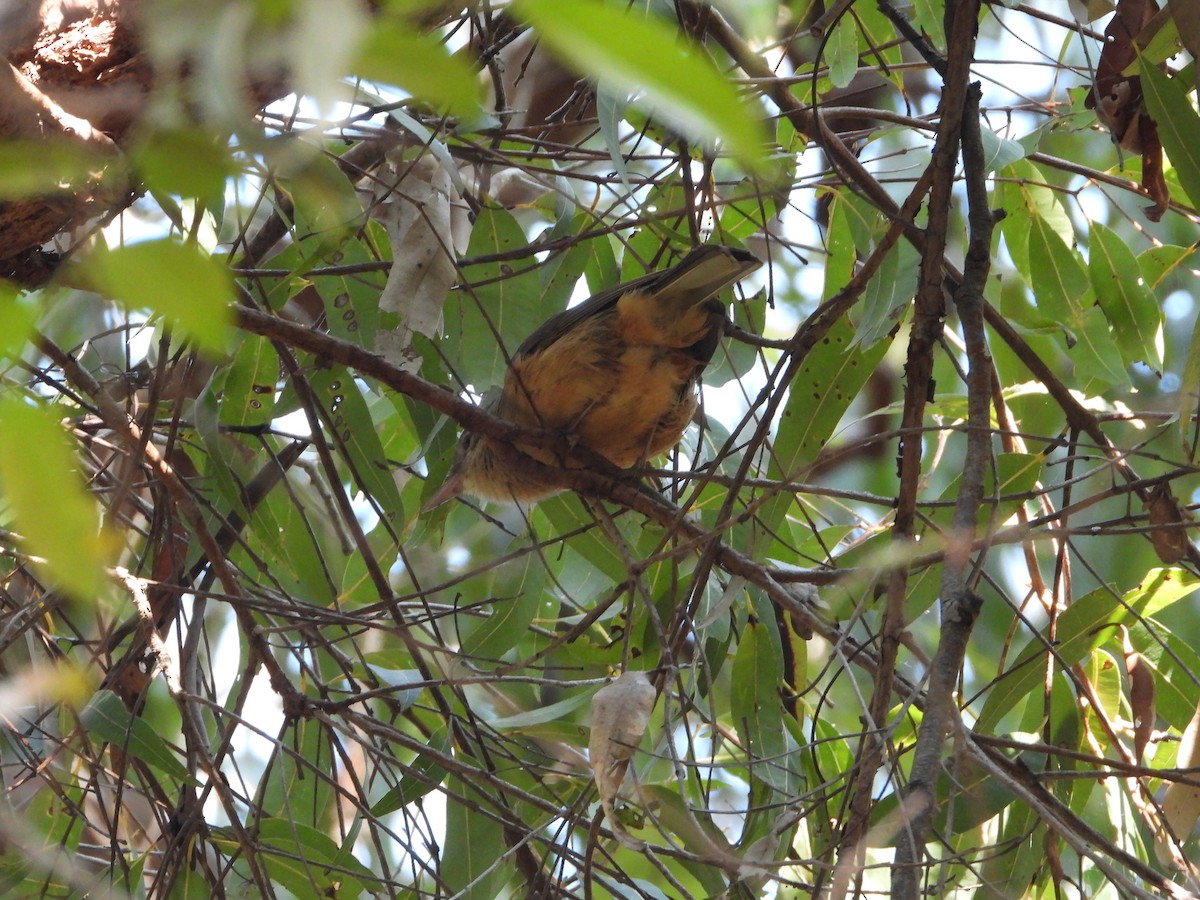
(452, 487)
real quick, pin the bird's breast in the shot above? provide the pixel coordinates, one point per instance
(624, 399)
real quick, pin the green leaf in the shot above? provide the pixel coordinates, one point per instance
(879, 41)
(1157, 263)
(326, 209)
(106, 719)
(516, 591)
(756, 710)
(50, 507)
(695, 830)
(746, 212)
(395, 53)
(830, 378)
(611, 108)
(567, 515)
(1178, 125)
(476, 862)
(1006, 484)
(1189, 384)
(424, 775)
(1096, 355)
(1130, 306)
(1024, 193)
(247, 394)
(1007, 875)
(645, 57)
(352, 301)
(888, 295)
(1015, 476)
(755, 18)
(560, 273)
(499, 303)
(18, 315)
(179, 282)
(735, 358)
(1086, 624)
(540, 715)
(974, 794)
(1062, 289)
(841, 52)
(1174, 667)
(1058, 278)
(189, 885)
(349, 419)
(929, 19)
(999, 152)
(288, 788)
(304, 860)
(280, 530)
(190, 162)
(853, 224)
(38, 168)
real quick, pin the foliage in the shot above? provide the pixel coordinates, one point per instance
(916, 594)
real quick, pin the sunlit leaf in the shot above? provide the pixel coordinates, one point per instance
(59, 522)
(1130, 306)
(395, 53)
(1089, 622)
(649, 61)
(180, 282)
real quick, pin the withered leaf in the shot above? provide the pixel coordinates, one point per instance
(1118, 101)
(1168, 535)
(620, 713)
(1141, 695)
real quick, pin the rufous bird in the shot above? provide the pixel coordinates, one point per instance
(618, 374)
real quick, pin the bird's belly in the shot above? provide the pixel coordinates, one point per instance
(651, 400)
(626, 406)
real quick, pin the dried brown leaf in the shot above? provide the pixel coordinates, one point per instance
(1167, 519)
(1116, 97)
(1141, 695)
(620, 713)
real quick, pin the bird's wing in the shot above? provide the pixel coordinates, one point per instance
(560, 323)
(690, 274)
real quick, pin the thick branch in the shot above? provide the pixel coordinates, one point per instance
(959, 604)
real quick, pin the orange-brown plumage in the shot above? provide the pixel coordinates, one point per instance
(617, 374)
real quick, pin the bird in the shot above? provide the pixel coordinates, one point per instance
(617, 374)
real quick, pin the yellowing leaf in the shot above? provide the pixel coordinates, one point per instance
(49, 505)
(420, 64)
(180, 282)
